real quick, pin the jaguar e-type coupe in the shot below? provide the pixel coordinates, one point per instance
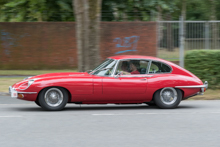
(125, 79)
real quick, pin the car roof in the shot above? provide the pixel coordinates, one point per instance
(119, 57)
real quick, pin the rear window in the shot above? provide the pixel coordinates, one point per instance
(159, 67)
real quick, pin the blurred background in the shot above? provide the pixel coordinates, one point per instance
(148, 27)
(38, 36)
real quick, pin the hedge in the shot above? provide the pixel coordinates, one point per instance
(205, 64)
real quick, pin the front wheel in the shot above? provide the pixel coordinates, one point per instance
(37, 102)
(53, 98)
(168, 98)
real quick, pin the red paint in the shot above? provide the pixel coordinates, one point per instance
(92, 89)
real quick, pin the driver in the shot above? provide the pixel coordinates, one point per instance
(125, 67)
(130, 67)
(134, 65)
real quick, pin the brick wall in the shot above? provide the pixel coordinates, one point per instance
(52, 45)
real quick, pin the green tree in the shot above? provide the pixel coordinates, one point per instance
(36, 10)
(133, 10)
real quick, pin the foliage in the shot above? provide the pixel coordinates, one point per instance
(205, 64)
(143, 10)
(36, 10)
(147, 10)
(112, 10)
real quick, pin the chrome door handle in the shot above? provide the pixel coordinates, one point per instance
(143, 79)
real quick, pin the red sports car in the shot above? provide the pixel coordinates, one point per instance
(125, 79)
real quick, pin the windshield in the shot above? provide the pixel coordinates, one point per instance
(105, 68)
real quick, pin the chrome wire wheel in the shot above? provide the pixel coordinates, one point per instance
(53, 97)
(168, 95)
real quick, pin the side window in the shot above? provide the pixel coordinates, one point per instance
(127, 67)
(159, 67)
(143, 66)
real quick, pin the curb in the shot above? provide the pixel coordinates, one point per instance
(4, 94)
(14, 76)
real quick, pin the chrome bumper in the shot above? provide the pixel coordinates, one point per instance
(12, 89)
(203, 87)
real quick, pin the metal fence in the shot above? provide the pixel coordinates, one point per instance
(196, 35)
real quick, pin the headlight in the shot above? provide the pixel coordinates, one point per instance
(30, 82)
(25, 85)
(27, 78)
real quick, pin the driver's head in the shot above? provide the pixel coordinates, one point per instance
(134, 65)
(124, 66)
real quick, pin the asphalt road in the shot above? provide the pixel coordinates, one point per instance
(192, 124)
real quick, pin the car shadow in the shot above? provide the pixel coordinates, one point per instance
(113, 107)
(101, 107)
(187, 107)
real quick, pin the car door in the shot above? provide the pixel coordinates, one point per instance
(125, 87)
(129, 87)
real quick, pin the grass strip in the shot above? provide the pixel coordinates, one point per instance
(30, 72)
(6, 82)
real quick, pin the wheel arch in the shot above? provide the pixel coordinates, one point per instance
(69, 94)
(165, 87)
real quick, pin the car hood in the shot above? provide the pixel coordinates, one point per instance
(62, 74)
(51, 76)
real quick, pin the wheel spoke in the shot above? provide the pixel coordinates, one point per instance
(168, 95)
(53, 97)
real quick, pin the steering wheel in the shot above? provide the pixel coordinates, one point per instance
(154, 71)
(109, 72)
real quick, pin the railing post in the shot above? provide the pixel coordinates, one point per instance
(207, 35)
(182, 39)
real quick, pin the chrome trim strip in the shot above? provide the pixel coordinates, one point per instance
(10, 87)
(27, 92)
(137, 76)
(205, 85)
(193, 86)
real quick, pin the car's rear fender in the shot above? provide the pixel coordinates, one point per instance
(159, 81)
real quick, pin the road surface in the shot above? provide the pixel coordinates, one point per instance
(192, 124)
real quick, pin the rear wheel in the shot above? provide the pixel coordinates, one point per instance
(53, 98)
(151, 103)
(168, 98)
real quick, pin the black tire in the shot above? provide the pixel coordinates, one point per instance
(53, 98)
(36, 102)
(160, 98)
(151, 103)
